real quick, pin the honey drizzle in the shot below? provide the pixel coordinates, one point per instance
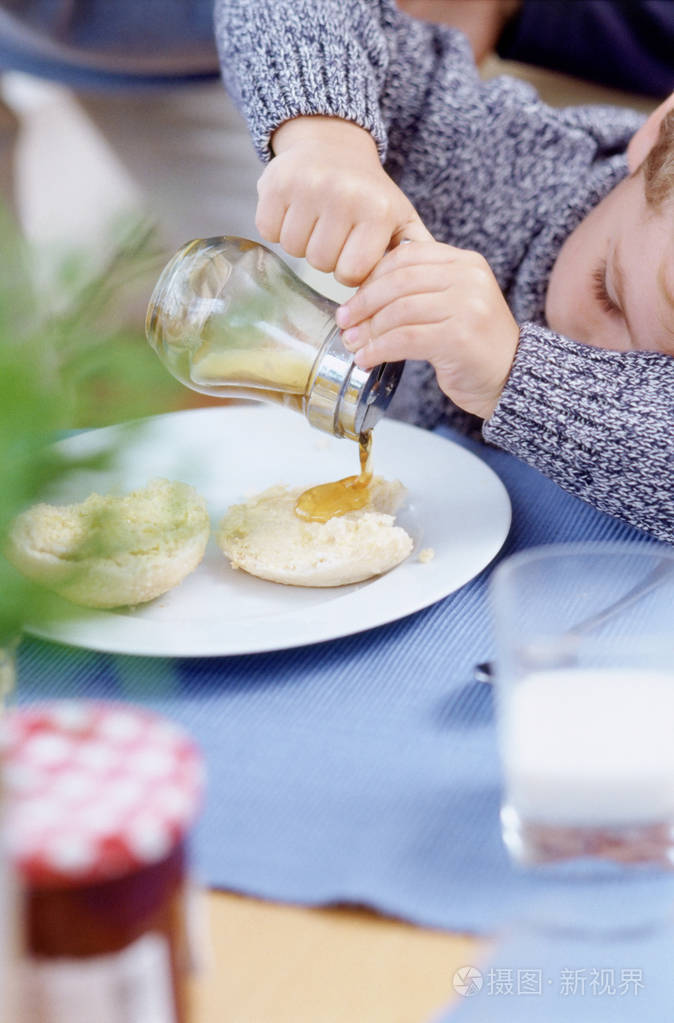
(323, 502)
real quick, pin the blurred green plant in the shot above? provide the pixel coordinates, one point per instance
(68, 358)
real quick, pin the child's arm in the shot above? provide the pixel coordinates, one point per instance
(310, 76)
(598, 423)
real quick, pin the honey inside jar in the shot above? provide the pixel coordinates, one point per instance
(323, 502)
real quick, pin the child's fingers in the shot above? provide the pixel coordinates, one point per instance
(326, 243)
(406, 312)
(298, 225)
(269, 217)
(380, 291)
(410, 311)
(364, 247)
(406, 342)
(369, 241)
(415, 253)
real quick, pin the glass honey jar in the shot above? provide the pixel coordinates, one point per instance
(229, 318)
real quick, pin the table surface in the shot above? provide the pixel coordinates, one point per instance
(265, 961)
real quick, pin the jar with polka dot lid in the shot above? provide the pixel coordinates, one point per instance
(100, 798)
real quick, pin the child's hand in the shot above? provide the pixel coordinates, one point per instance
(325, 196)
(433, 302)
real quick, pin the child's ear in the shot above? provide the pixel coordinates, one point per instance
(643, 140)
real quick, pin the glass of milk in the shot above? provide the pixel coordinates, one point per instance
(585, 697)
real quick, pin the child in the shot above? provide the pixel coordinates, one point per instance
(560, 334)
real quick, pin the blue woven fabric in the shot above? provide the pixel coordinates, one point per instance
(362, 770)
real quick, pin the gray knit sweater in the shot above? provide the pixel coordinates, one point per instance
(489, 167)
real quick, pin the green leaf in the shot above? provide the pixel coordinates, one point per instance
(71, 354)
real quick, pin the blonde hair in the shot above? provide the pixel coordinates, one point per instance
(658, 167)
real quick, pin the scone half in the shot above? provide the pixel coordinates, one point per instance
(110, 551)
(264, 537)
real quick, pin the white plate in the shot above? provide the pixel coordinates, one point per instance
(457, 506)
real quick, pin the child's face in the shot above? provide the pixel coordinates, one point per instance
(612, 284)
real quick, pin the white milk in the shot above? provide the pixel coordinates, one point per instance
(590, 747)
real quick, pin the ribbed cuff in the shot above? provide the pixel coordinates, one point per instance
(599, 423)
(298, 58)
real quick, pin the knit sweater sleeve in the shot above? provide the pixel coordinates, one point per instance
(290, 58)
(599, 423)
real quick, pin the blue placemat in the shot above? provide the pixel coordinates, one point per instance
(361, 770)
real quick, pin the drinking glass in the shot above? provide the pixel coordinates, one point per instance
(585, 703)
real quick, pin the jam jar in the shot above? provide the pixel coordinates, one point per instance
(99, 801)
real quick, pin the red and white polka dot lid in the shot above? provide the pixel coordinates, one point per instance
(95, 790)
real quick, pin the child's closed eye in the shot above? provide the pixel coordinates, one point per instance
(601, 292)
